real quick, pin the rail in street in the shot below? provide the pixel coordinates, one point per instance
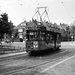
(25, 64)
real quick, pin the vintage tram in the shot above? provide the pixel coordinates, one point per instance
(41, 35)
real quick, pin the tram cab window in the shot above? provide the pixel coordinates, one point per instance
(32, 35)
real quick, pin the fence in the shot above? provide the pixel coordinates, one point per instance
(6, 48)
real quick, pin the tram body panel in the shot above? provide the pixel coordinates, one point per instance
(41, 45)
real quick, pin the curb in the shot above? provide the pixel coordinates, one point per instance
(12, 54)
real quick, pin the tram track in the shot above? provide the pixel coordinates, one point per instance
(38, 65)
(24, 69)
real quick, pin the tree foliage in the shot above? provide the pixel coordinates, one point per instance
(5, 25)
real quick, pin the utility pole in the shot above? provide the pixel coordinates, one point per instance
(73, 33)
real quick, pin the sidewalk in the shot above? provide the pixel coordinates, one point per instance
(12, 54)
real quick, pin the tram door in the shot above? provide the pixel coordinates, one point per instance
(55, 40)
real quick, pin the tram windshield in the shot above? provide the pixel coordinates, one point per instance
(36, 35)
(32, 35)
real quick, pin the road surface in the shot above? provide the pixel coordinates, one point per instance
(34, 65)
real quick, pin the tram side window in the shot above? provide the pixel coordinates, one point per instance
(49, 37)
(42, 35)
(31, 35)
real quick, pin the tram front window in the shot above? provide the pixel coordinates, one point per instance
(32, 35)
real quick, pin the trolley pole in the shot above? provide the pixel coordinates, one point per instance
(43, 13)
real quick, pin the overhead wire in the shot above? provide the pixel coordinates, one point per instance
(36, 2)
(53, 16)
(66, 9)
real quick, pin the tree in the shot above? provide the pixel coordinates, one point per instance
(65, 32)
(68, 33)
(6, 27)
(11, 27)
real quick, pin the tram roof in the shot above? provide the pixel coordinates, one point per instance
(34, 25)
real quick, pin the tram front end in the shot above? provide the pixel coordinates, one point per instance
(32, 43)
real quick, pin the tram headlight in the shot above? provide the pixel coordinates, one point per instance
(35, 44)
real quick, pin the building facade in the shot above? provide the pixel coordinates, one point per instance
(21, 31)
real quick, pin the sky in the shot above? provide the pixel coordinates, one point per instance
(59, 11)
